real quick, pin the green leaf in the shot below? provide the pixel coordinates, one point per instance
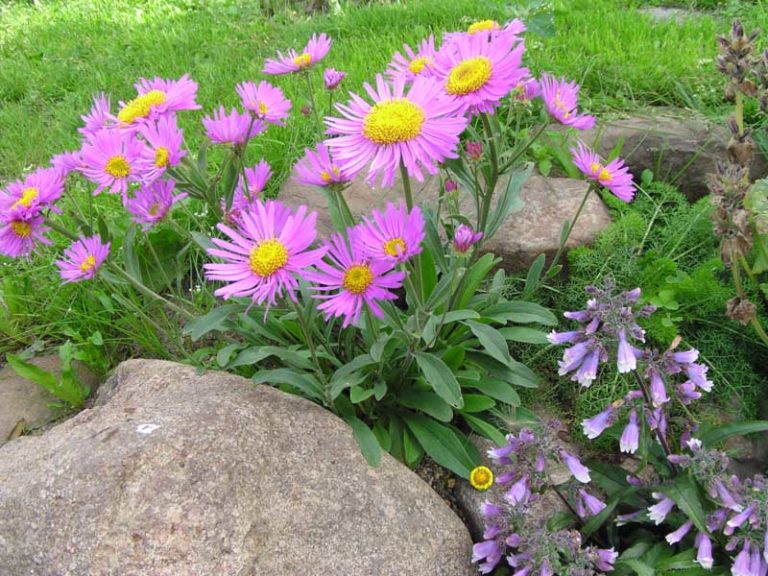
(509, 201)
(216, 319)
(202, 240)
(521, 313)
(44, 379)
(477, 403)
(721, 433)
(369, 444)
(534, 275)
(498, 390)
(426, 401)
(297, 359)
(307, 384)
(440, 378)
(249, 356)
(349, 375)
(686, 495)
(225, 354)
(441, 443)
(475, 276)
(359, 394)
(491, 340)
(129, 253)
(638, 566)
(484, 429)
(379, 390)
(382, 435)
(524, 334)
(411, 449)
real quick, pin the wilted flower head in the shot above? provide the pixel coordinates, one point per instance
(315, 50)
(414, 127)
(332, 78)
(234, 129)
(561, 99)
(83, 259)
(266, 101)
(614, 175)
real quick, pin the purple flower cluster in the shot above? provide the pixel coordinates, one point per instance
(740, 517)
(608, 328)
(524, 463)
(608, 325)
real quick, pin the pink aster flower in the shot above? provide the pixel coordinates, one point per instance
(19, 235)
(354, 280)
(267, 102)
(152, 203)
(488, 29)
(67, 162)
(265, 258)
(417, 129)
(100, 115)
(315, 50)
(164, 140)
(477, 72)
(39, 189)
(111, 159)
(83, 259)
(233, 128)
(394, 235)
(414, 63)
(332, 78)
(247, 193)
(317, 168)
(615, 175)
(527, 90)
(464, 237)
(156, 97)
(561, 99)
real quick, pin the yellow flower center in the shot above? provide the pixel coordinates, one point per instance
(469, 76)
(88, 264)
(325, 176)
(395, 247)
(418, 64)
(357, 278)
(117, 167)
(483, 25)
(392, 121)
(141, 106)
(559, 104)
(481, 478)
(303, 60)
(601, 172)
(268, 257)
(154, 210)
(161, 157)
(262, 109)
(21, 229)
(28, 196)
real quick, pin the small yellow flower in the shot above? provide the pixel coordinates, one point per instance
(481, 478)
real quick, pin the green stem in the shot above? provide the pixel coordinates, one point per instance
(61, 230)
(522, 151)
(571, 226)
(312, 102)
(313, 351)
(406, 186)
(649, 402)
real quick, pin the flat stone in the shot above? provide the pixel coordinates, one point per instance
(21, 399)
(677, 146)
(177, 473)
(533, 230)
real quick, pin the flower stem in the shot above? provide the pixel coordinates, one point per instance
(417, 280)
(649, 402)
(149, 292)
(311, 93)
(406, 186)
(313, 351)
(571, 226)
(61, 230)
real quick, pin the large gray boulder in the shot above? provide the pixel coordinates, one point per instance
(676, 145)
(176, 473)
(533, 230)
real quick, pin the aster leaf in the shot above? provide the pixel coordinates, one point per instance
(477, 403)
(441, 443)
(520, 312)
(484, 429)
(498, 390)
(686, 495)
(216, 319)
(440, 378)
(426, 401)
(475, 276)
(366, 440)
(524, 334)
(307, 384)
(722, 433)
(491, 340)
(509, 201)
